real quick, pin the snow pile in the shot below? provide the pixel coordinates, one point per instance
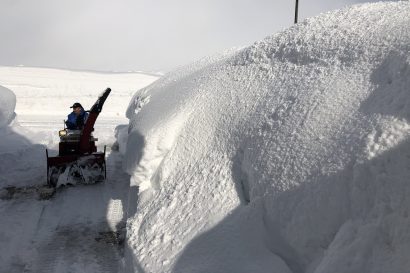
(7, 106)
(17, 152)
(291, 155)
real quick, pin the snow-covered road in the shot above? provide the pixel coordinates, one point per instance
(79, 230)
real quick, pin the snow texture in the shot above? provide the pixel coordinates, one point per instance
(291, 155)
(7, 106)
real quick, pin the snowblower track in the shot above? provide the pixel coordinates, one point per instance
(79, 249)
(82, 229)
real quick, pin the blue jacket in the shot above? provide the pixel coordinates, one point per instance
(75, 122)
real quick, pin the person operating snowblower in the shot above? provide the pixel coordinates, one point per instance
(78, 160)
(77, 118)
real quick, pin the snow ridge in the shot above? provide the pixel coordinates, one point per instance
(8, 104)
(290, 155)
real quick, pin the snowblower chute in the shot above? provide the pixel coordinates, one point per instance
(78, 159)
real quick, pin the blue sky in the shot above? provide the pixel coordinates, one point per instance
(125, 35)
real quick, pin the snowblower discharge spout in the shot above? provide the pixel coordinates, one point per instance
(78, 160)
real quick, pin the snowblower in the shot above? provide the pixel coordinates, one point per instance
(78, 160)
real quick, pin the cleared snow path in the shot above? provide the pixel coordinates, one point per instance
(88, 235)
(79, 230)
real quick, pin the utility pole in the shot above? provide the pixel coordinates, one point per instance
(296, 11)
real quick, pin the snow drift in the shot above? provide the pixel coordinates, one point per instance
(17, 152)
(290, 155)
(7, 106)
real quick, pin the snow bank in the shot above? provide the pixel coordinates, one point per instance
(17, 153)
(7, 106)
(290, 155)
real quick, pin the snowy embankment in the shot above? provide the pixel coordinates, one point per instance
(290, 155)
(7, 115)
(8, 102)
(13, 143)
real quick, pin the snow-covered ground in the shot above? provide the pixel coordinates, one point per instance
(291, 155)
(44, 96)
(81, 228)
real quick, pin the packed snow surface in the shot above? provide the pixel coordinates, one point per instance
(291, 155)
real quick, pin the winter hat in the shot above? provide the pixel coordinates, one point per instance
(75, 105)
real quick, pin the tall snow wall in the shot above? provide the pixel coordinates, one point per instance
(290, 155)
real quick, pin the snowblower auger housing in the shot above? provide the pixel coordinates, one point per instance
(78, 159)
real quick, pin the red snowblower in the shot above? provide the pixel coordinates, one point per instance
(78, 160)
